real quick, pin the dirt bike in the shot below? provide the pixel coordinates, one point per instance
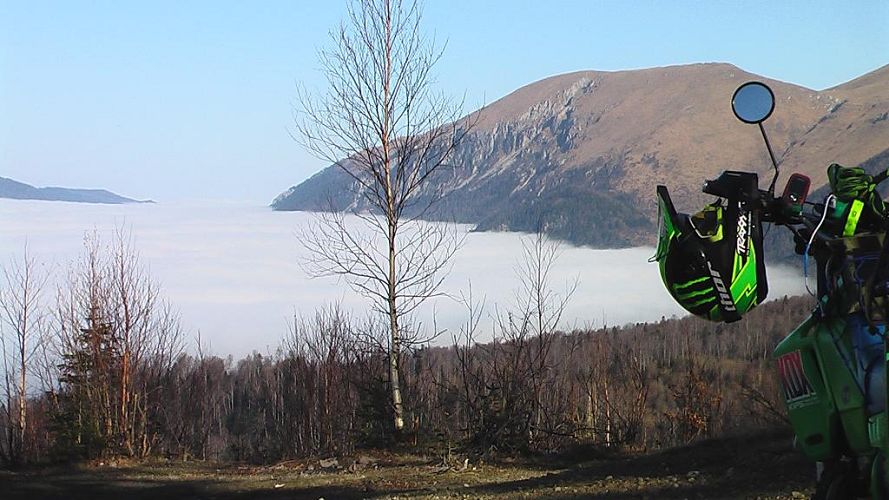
(832, 367)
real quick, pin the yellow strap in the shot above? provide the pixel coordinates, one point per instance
(852, 219)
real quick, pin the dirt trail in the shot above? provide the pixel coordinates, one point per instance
(762, 466)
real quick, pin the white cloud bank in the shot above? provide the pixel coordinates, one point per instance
(233, 270)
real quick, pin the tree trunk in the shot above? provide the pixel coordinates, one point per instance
(394, 372)
(592, 407)
(607, 413)
(394, 339)
(395, 335)
(22, 402)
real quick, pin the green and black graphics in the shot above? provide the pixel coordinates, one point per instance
(712, 262)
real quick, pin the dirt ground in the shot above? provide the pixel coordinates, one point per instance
(763, 466)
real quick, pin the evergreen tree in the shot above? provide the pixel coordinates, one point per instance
(84, 425)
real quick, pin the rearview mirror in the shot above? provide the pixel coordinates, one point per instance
(753, 102)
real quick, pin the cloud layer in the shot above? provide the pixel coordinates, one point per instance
(233, 270)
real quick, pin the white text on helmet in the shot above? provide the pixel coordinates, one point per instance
(724, 297)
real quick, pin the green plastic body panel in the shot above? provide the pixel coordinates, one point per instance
(832, 417)
(836, 354)
(815, 419)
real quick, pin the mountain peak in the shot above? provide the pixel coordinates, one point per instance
(582, 152)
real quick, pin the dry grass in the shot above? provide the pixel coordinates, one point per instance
(761, 467)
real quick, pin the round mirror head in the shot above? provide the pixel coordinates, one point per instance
(753, 102)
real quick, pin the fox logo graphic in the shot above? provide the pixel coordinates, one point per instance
(725, 297)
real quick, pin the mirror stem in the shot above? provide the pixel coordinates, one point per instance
(772, 156)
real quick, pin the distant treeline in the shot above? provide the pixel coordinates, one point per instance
(107, 354)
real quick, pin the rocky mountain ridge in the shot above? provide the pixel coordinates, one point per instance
(581, 153)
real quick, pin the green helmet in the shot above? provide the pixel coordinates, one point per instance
(712, 262)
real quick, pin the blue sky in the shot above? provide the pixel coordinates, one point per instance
(193, 100)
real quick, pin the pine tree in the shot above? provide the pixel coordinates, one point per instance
(84, 423)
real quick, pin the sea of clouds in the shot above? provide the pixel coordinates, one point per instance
(233, 270)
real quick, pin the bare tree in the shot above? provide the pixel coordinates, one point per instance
(115, 343)
(510, 389)
(23, 318)
(382, 123)
(529, 331)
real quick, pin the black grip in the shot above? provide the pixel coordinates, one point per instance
(882, 176)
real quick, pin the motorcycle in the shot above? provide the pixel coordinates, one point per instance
(832, 367)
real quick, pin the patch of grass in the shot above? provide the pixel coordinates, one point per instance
(762, 466)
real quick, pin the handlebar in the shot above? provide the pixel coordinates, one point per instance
(829, 231)
(825, 230)
(743, 188)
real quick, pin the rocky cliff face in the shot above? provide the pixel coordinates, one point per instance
(580, 154)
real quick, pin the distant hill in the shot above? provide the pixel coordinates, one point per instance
(582, 152)
(20, 191)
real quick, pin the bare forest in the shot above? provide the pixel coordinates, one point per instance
(97, 366)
